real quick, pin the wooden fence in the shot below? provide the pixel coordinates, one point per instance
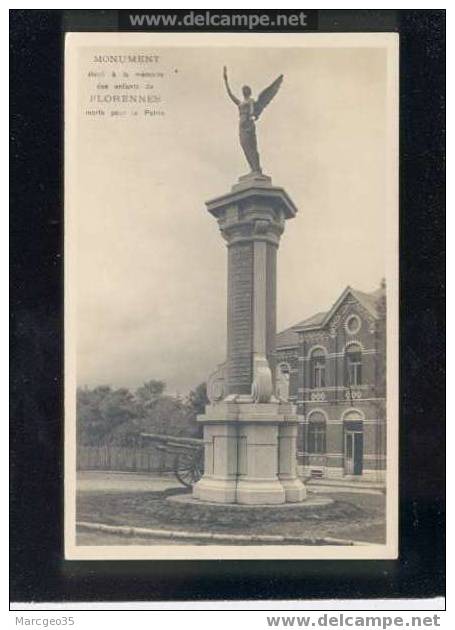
(128, 459)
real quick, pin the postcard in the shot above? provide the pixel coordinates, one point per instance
(231, 296)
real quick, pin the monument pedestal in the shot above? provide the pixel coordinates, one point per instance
(257, 459)
(294, 489)
(250, 454)
(249, 434)
(219, 483)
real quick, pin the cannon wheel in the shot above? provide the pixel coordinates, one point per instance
(189, 467)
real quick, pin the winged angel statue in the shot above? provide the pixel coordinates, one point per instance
(249, 111)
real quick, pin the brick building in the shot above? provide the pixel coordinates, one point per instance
(334, 363)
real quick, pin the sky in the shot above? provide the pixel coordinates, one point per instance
(149, 264)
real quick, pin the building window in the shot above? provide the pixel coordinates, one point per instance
(316, 435)
(353, 366)
(317, 369)
(353, 324)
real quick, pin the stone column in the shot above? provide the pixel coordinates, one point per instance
(247, 426)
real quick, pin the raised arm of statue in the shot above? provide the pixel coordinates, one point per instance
(228, 89)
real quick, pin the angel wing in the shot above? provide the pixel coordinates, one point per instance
(266, 96)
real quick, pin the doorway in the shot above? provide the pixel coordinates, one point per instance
(353, 448)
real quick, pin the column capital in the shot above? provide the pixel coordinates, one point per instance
(254, 210)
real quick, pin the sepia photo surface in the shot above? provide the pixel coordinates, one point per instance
(231, 296)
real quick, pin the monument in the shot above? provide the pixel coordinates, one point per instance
(250, 428)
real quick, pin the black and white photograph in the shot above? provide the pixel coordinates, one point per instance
(231, 296)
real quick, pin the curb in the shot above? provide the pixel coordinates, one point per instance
(145, 532)
(326, 486)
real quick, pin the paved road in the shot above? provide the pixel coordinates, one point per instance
(100, 481)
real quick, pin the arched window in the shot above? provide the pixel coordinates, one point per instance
(353, 366)
(316, 434)
(317, 367)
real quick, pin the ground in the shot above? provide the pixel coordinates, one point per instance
(141, 501)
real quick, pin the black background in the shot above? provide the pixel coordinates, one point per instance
(38, 570)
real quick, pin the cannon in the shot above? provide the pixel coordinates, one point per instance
(188, 464)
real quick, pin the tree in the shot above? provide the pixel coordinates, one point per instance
(100, 411)
(197, 399)
(91, 424)
(196, 403)
(166, 417)
(149, 393)
(117, 416)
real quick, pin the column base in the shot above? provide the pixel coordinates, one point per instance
(294, 490)
(251, 492)
(215, 490)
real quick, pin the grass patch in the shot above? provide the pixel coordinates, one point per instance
(151, 509)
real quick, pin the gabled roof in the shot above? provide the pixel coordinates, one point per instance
(289, 338)
(368, 300)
